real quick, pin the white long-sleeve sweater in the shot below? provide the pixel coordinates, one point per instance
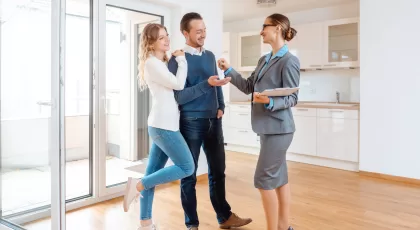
(161, 83)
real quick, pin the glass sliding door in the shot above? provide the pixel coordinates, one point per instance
(26, 106)
(46, 108)
(31, 109)
(123, 109)
(78, 99)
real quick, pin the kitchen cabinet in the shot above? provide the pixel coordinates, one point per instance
(237, 128)
(318, 45)
(307, 45)
(341, 43)
(325, 137)
(250, 49)
(229, 52)
(338, 134)
(229, 47)
(305, 137)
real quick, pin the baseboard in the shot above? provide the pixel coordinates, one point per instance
(325, 162)
(391, 178)
(242, 149)
(203, 178)
(313, 160)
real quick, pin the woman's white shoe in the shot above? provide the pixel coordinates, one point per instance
(131, 193)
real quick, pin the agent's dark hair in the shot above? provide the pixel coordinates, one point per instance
(187, 18)
(288, 33)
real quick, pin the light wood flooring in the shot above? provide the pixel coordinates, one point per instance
(322, 199)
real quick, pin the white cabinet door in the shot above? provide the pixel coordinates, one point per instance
(304, 140)
(250, 49)
(226, 47)
(338, 138)
(243, 137)
(341, 39)
(227, 134)
(226, 117)
(240, 120)
(308, 45)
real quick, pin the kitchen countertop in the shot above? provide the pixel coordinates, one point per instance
(314, 104)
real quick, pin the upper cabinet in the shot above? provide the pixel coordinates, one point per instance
(330, 44)
(320, 45)
(307, 45)
(229, 50)
(250, 50)
(342, 43)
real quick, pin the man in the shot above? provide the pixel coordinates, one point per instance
(202, 106)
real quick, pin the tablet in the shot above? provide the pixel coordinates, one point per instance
(279, 92)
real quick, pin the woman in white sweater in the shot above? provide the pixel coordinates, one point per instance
(163, 122)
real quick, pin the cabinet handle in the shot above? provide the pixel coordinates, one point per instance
(315, 65)
(330, 65)
(242, 107)
(243, 131)
(242, 114)
(338, 111)
(302, 109)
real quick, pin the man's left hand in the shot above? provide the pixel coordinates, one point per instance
(219, 114)
(258, 98)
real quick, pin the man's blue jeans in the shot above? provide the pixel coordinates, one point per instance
(206, 133)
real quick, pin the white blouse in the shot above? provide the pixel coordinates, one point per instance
(162, 83)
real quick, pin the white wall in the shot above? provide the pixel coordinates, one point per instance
(301, 17)
(390, 87)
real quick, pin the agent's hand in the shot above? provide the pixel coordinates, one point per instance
(177, 53)
(223, 64)
(214, 81)
(258, 98)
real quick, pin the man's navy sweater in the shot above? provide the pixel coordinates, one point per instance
(198, 99)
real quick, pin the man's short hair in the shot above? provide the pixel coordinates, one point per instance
(187, 18)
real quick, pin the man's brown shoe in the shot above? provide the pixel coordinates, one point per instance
(235, 221)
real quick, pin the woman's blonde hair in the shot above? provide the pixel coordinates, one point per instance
(149, 37)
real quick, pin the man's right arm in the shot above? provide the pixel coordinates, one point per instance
(188, 94)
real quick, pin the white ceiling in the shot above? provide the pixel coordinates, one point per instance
(234, 10)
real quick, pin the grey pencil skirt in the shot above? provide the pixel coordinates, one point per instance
(271, 171)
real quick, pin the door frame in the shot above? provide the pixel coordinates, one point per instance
(100, 97)
(57, 134)
(134, 87)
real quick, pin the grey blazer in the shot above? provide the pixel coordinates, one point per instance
(281, 72)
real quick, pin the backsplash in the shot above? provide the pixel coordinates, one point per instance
(321, 85)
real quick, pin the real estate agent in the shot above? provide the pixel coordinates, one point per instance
(272, 117)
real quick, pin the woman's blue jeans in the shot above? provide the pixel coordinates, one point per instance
(166, 144)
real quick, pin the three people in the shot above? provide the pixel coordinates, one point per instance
(187, 112)
(272, 117)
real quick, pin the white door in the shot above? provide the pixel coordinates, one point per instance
(116, 125)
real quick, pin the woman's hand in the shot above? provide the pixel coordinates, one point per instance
(177, 53)
(258, 98)
(223, 64)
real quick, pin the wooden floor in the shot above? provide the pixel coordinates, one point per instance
(322, 199)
